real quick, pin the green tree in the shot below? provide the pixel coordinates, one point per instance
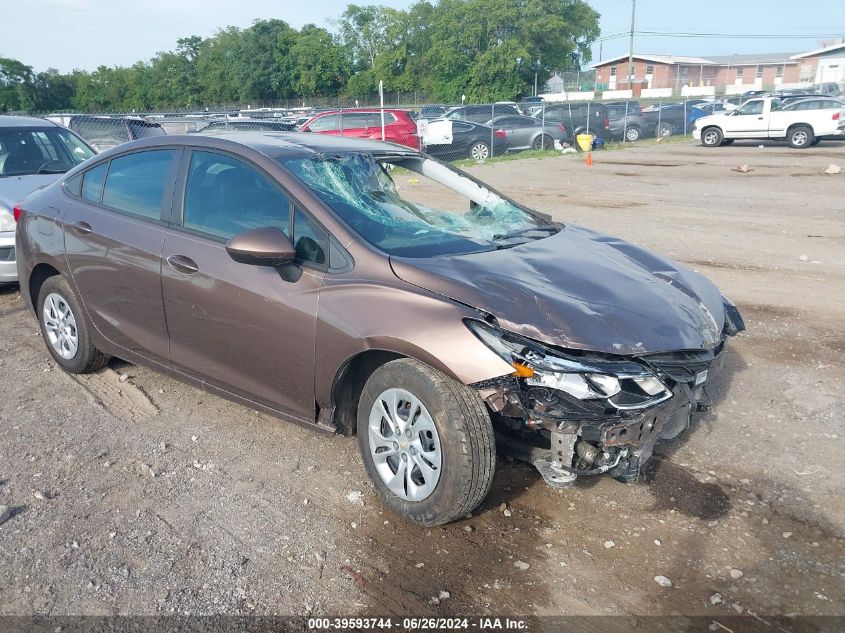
(17, 85)
(319, 63)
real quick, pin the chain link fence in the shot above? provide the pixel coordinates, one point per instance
(450, 131)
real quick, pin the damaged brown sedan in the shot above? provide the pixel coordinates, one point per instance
(361, 287)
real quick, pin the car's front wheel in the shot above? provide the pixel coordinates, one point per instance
(711, 137)
(427, 442)
(65, 329)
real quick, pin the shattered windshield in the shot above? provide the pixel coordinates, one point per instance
(413, 206)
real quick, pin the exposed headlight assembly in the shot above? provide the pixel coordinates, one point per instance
(623, 384)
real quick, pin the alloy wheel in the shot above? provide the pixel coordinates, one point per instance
(480, 151)
(711, 138)
(799, 138)
(60, 325)
(404, 445)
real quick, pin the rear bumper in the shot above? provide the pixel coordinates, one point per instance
(8, 265)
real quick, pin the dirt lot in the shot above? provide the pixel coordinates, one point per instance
(135, 494)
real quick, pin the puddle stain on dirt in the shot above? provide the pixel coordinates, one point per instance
(675, 488)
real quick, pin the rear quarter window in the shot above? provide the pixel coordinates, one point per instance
(92, 182)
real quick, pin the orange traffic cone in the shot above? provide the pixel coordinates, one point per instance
(589, 161)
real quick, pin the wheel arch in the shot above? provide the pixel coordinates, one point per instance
(39, 274)
(792, 126)
(348, 383)
(351, 376)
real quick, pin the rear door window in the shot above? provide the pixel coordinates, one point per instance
(354, 121)
(136, 183)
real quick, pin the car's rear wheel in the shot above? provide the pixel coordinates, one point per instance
(632, 134)
(800, 136)
(711, 137)
(65, 329)
(664, 129)
(544, 141)
(479, 150)
(427, 442)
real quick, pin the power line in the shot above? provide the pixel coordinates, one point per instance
(651, 33)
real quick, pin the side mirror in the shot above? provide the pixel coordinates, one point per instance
(266, 246)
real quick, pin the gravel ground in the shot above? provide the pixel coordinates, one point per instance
(134, 494)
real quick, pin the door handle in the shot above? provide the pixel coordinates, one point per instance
(183, 264)
(759, 118)
(81, 227)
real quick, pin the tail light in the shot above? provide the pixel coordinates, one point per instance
(562, 127)
(500, 133)
(836, 116)
(16, 212)
(606, 122)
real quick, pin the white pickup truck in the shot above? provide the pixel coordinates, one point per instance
(762, 118)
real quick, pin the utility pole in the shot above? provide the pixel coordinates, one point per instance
(631, 47)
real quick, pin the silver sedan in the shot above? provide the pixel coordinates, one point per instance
(525, 132)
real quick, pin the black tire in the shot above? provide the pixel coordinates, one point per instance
(632, 134)
(544, 141)
(728, 141)
(800, 136)
(87, 358)
(467, 443)
(479, 150)
(816, 141)
(711, 137)
(664, 129)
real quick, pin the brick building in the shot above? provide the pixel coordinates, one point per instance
(768, 70)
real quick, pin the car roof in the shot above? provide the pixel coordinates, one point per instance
(274, 144)
(358, 111)
(7, 120)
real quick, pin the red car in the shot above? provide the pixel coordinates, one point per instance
(399, 125)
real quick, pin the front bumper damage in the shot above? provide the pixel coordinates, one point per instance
(565, 438)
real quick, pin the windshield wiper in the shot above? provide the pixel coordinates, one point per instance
(550, 228)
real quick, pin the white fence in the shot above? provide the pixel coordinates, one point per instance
(656, 93)
(698, 91)
(617, 94)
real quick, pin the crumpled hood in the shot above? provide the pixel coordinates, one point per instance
(582, 290)
(13, 189)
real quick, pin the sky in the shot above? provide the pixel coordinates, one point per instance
(85, 34)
